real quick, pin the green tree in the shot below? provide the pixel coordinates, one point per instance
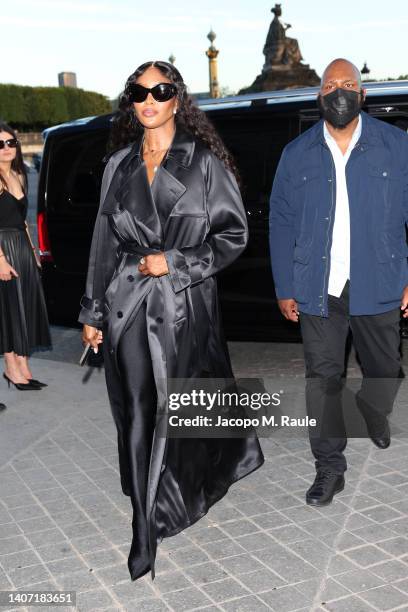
(27, 108)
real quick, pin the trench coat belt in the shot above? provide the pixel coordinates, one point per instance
(134, 248)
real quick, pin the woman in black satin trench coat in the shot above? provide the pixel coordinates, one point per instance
(151, 294)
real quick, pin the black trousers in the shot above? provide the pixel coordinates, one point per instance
(377, 342)
(139, 389)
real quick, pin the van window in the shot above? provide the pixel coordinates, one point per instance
(75, 171)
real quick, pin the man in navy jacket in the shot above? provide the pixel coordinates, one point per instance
(338, 247)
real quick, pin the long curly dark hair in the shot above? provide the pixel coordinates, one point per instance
(17, 164)
(126, 127)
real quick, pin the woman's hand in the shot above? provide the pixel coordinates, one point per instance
(154, 265)
(7, 272)
(92, 335)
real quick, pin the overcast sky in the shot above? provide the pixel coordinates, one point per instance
(103, 41)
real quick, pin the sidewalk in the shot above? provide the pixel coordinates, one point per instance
(65, 525)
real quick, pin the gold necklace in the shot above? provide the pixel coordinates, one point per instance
(152, 153)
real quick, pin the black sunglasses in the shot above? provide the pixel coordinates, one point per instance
(11, 142)
(161, 92)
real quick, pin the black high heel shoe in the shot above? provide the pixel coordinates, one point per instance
(21, 386)
(37, 383)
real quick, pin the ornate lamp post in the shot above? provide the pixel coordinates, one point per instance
(212, 54)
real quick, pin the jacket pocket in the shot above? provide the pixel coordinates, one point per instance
(302, 273)
(306, 176)
(392, 271)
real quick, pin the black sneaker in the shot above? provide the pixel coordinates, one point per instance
(2, 407)
(325, 486)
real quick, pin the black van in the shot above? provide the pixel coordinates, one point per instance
(255, 128)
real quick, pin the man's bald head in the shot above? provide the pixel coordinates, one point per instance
(340, 73)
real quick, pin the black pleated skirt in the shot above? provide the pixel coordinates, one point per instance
(24, 324)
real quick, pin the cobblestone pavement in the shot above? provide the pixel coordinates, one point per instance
(65, 525)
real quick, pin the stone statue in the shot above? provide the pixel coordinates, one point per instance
(279, 48)
(283, 66)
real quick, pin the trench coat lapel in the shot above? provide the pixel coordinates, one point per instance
(130, 189)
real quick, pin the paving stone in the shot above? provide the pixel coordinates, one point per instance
(223, 548)
(103, 558)
(93, 600)
(208, 534)
(191, 555)
(367, 555)
(13, 544)
(36, 524)
(395, 546)
(289, 533)
(59, 550)
(133, 590)
(20, 559)
(252, 542)
(240, 564)
(223, 590)
(370, 533)
(283, 599)
(384, 597)
(286, 564)
(381, 514)
(27, 576)
(245, 604)
(271, 520)
(348, 540)
(240, 527)
(314, 552)
(391, 570)
(360, 580)
(66, 566)
(171, 581)
(8, 530)
(261, 580)
(348, 604)
(187, 599)
(205, 572)
(152, 604)
(321, 590)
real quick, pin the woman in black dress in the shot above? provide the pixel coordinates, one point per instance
(23, 315)
(170, 218)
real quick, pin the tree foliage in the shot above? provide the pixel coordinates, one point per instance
(35, 108)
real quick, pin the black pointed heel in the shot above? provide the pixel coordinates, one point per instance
(20, 386)
(37, 383)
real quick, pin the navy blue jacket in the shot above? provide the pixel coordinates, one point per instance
(302, 208)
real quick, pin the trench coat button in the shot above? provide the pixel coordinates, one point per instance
(120, 314)
(326, 218)
(385, 173)
(111, 351)
(159, 320)
(324, 257)
(130, 278)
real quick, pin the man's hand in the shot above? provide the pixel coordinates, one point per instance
(289, 309)
(154, 265)
(404, 302)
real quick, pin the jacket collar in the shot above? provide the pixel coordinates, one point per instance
(368, 132)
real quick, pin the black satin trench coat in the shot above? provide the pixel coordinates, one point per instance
(205, 231)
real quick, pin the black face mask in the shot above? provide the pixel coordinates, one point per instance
(340, 106)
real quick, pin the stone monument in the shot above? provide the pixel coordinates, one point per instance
(283, 67)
